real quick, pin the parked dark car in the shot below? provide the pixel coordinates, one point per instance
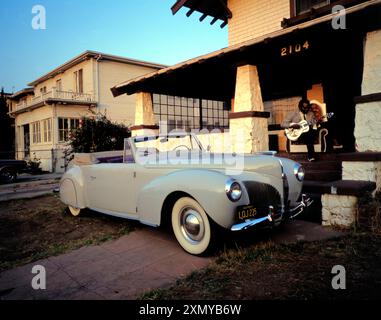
(9, 169)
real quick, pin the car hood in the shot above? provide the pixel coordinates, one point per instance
(265, 164)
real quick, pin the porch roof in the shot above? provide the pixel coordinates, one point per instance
(212, 76)
(217, 9)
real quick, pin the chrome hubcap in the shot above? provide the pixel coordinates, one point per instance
(192, 225)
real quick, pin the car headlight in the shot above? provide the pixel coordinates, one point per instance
(299, 172)
(233, 190)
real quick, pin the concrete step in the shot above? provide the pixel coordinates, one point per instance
(323, 175)
(303, 156)
(322, 165)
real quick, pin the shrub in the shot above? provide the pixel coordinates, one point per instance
(34, 165)
(97, 134)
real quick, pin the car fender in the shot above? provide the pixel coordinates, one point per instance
(72, 190)
(207, 187)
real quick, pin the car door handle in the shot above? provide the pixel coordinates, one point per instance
(92, 178)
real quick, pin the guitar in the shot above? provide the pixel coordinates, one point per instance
(294, 134)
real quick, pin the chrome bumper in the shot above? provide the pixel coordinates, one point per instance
(270, 219)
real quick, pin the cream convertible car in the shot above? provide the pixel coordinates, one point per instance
(172, 177)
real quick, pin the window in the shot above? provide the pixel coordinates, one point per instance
(36, 132)
(302, 6)
(59, 85)
(78, 78)
(47, 128)
(43, 90)
(65, 126)
(184, 113)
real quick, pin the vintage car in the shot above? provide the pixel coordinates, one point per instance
(9, 169)
(172, 178)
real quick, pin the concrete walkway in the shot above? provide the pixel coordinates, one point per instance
(143, 260)
(30, 186)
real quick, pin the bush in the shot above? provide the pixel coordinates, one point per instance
(97, 134)
(34, 165)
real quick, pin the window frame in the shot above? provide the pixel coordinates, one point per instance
(65, 131)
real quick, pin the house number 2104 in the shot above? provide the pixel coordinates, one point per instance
(295, 48)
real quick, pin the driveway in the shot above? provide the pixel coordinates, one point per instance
(123, 269)
(30, 186)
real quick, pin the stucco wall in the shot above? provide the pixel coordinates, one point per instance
(368, 115)
(68, 80)
(372, 63)
(252, 19)
(122, 108)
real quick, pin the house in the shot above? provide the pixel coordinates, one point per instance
(53, 104)
(6, 128)
(280, 51)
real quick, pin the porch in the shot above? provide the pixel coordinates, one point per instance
(263, 79)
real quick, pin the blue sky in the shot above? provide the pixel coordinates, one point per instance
(143, 29)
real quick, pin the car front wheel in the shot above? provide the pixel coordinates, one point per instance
(8, 175)
(192, 226)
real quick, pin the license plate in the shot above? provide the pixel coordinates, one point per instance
(246, 212)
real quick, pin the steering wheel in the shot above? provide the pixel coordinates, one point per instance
(179, 146)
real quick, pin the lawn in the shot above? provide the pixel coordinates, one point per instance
(37, 228)
(297, 271)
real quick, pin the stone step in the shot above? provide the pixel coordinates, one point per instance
(323, 175)
(303, 156)
(322, 165)
(340, 187)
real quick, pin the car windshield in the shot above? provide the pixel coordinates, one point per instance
(166, 143)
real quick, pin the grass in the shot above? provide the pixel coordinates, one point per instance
(299, 271)
(38, 228)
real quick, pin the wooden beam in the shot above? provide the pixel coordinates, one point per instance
(178, 5)
(224, 24)
(249, 114)
(214, 21)
(189, 13)
(203, 17)
(374, 97)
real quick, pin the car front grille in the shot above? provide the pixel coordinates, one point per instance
(262, 196)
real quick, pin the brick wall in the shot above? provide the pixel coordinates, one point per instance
(254, 18)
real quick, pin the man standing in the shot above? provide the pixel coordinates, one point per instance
(293, 118)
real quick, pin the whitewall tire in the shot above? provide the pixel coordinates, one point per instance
(74, 211)
(191, 226)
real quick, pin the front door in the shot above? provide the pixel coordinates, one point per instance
(110, 188)
(26, 141)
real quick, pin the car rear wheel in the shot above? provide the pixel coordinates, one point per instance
(74, 211)
(8, 175)
(192, 226)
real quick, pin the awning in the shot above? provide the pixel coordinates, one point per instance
(217, 9)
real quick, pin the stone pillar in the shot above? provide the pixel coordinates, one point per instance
(363, 171)
(248, 121)
(338, 210)
(144, 116)
(368, 109)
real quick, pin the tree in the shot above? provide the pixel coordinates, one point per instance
(97, 134)
(7, 134)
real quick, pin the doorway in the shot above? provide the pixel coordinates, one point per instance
(26, 140)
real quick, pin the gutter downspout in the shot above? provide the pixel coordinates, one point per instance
(97, 78)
